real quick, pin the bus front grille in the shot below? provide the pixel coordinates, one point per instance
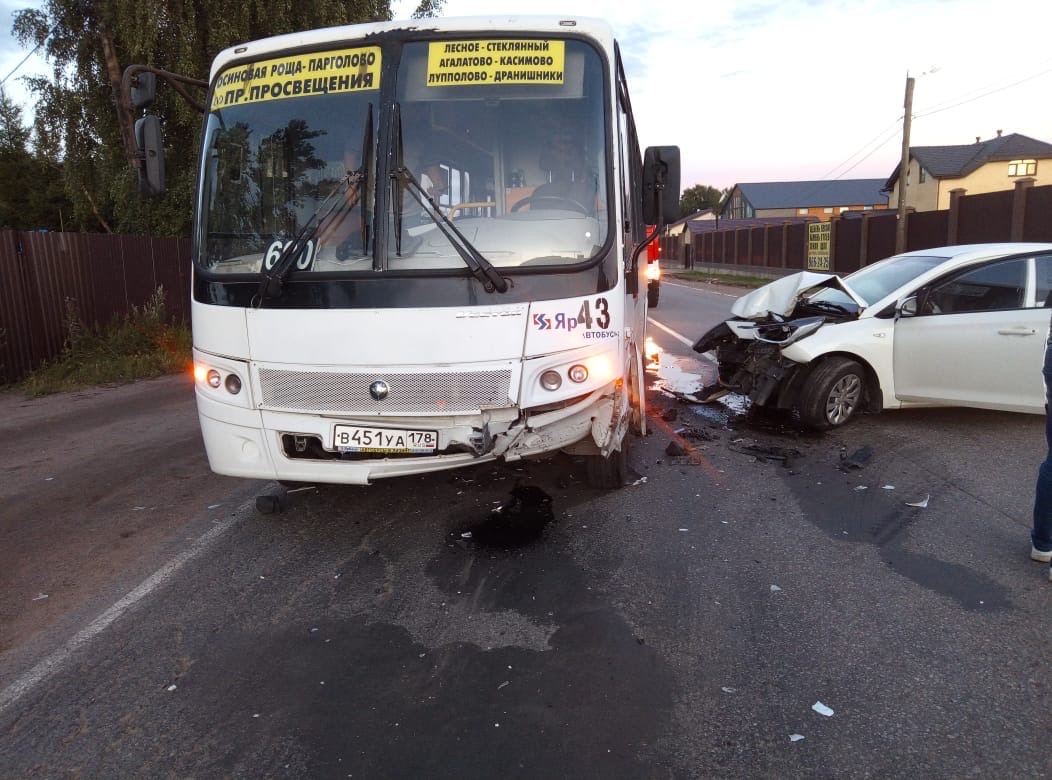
(438, 393)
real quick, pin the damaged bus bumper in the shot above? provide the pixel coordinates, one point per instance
(295, 447)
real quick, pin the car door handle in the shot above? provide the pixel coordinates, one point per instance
(1018, 332)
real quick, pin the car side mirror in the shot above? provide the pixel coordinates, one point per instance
(907, 307)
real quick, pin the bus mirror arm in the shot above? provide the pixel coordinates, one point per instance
(632, 275)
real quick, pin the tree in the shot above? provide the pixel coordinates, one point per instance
(25, 206)
(698, 198)
(89, 44)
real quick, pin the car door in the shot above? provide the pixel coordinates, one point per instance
(978, 338)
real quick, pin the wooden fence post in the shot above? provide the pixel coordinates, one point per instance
(1019, 208)
(953, 219)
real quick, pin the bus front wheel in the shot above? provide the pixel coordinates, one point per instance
(609, 472)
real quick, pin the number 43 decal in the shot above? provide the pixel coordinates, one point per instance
(602, 314)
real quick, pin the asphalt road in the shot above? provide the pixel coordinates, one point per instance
(684, 626)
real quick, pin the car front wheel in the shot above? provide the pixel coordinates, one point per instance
(833, 394)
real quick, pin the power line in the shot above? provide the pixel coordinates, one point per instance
(939, 107)
(24, 59)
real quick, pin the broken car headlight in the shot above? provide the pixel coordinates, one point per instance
(785, 333)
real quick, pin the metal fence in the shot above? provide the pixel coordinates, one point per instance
(859, 238)
(102, 275)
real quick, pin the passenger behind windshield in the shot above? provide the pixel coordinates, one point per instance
(341, 229)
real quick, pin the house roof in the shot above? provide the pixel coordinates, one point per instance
(953, 162)
(807, 194)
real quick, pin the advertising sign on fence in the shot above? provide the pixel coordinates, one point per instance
(818, 240)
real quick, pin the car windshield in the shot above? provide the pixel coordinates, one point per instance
(877, 281)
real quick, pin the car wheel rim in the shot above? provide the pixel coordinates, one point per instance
(843, 399)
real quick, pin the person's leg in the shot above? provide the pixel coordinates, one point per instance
(1041, 535)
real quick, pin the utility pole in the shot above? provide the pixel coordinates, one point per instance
(904, 169)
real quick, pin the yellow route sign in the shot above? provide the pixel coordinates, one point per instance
(525, 61)
(319, 73)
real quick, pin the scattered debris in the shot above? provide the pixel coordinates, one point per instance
(887, 487)
(728, 689)
(704, 395)
(516, 521)
(858, 459)
(171, 687)
(822, 709)
(795, 737)
(765, 452)
(138, 508)
(214, 506)
(684, 529)
(674, 448)
(860, 487)
(670, 414)
(640, 481)
(919, 504)
(506, 682)
(40, 597)
(775, 589)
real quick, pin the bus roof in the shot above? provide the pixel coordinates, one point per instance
(597, 29)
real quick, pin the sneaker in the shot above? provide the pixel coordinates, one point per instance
(1044, 556)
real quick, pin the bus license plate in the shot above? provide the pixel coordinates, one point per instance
(358, 438)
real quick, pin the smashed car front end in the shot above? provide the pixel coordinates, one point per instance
(751, 347)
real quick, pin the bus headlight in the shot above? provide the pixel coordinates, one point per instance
(213, 378)
(578, 373)
(233, 384)
(550, 380)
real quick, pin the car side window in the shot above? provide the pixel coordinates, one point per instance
(1043, 267)
(992, 287)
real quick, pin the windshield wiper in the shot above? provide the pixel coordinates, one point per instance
(273, 279)
(481, 268)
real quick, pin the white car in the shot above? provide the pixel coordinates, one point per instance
(952, 326)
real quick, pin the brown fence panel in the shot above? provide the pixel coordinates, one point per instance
(1038, 214)
(881, 240)
(756, 251)
(796, 247)
(101, 276)
(847, 245)
(925, 229)
(985, 218)
(775, 240)
(19, 321)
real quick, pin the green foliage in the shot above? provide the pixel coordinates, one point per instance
(77, 104)
(141, 345)
(698, 198)
(31, 196)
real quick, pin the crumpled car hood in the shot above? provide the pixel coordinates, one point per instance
(781, 296)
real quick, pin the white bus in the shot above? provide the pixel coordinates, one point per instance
(416, 248)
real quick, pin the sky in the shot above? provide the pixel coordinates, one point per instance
(792, 90)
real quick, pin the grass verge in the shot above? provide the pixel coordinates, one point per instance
(141, 345)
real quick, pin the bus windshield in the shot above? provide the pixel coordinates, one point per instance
(503, 137)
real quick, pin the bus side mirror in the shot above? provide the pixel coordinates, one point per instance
(143, 89)
(150, 147)
(661, 185)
